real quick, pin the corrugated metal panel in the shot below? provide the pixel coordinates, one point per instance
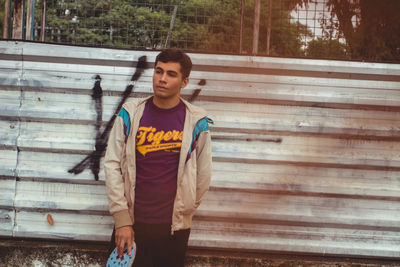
(66, 225)
(305, 151)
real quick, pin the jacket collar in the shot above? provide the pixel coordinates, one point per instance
(196, 112)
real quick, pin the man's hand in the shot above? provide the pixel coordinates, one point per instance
(124, 235)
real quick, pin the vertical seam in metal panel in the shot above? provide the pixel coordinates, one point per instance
(17, 139)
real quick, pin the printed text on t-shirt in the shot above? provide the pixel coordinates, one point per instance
(148, 139)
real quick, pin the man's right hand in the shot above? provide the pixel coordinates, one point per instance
(124, 235)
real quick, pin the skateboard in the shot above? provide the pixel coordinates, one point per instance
(125, 261)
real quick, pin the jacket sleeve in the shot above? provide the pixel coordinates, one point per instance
(118, 204)
(204, 165)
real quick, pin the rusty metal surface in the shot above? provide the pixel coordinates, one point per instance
(305, 152)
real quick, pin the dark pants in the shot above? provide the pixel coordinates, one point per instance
(156, 247)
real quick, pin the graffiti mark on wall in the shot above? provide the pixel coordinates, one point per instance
(92, 161)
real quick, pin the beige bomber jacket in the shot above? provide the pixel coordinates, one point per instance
(194, 170)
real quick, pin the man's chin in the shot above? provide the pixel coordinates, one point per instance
(162, 96)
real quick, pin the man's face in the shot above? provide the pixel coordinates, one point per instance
(168, 80)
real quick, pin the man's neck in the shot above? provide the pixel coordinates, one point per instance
(166, 103)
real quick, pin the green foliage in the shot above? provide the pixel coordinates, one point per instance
(214, 26)
(328, 49)
(117, 23)
(219, 31)
(2, 8)
(286, 37)
(211, 25)
(207, 25)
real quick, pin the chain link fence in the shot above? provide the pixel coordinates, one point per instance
(197, 25)
(297, 28)
(133, 24)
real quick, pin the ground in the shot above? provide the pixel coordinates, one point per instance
(41, 253)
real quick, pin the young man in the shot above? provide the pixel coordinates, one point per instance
(158, 166)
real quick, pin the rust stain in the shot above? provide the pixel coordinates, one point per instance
(50, 219)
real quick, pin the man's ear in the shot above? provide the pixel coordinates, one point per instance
(185, 82)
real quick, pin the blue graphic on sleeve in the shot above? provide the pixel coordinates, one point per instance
(127, 122)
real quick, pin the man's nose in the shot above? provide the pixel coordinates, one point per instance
(163, 77)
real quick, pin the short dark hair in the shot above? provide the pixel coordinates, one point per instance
(176, 55)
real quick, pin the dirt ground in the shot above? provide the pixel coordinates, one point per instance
(39, 253)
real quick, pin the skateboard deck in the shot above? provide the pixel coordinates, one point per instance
(125, 261)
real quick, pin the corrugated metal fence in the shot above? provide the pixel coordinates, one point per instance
(306, 152)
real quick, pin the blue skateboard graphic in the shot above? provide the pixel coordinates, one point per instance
(125, 261)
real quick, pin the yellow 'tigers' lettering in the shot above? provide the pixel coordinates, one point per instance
(154, 136)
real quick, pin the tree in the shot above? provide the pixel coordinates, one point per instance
(326, 48)
(2, 5)
(370, 28)
(206, 25)
(117, 23)
(220, 30)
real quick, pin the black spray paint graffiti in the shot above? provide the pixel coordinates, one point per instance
(92, 161)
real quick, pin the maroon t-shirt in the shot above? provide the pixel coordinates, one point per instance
(158, 145)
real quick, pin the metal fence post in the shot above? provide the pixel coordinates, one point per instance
(6, 21)
(241, 26)
(17, 24)
(43, 27)
(29, 19)
(171, 26)
(256, 27)
(269, 27)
